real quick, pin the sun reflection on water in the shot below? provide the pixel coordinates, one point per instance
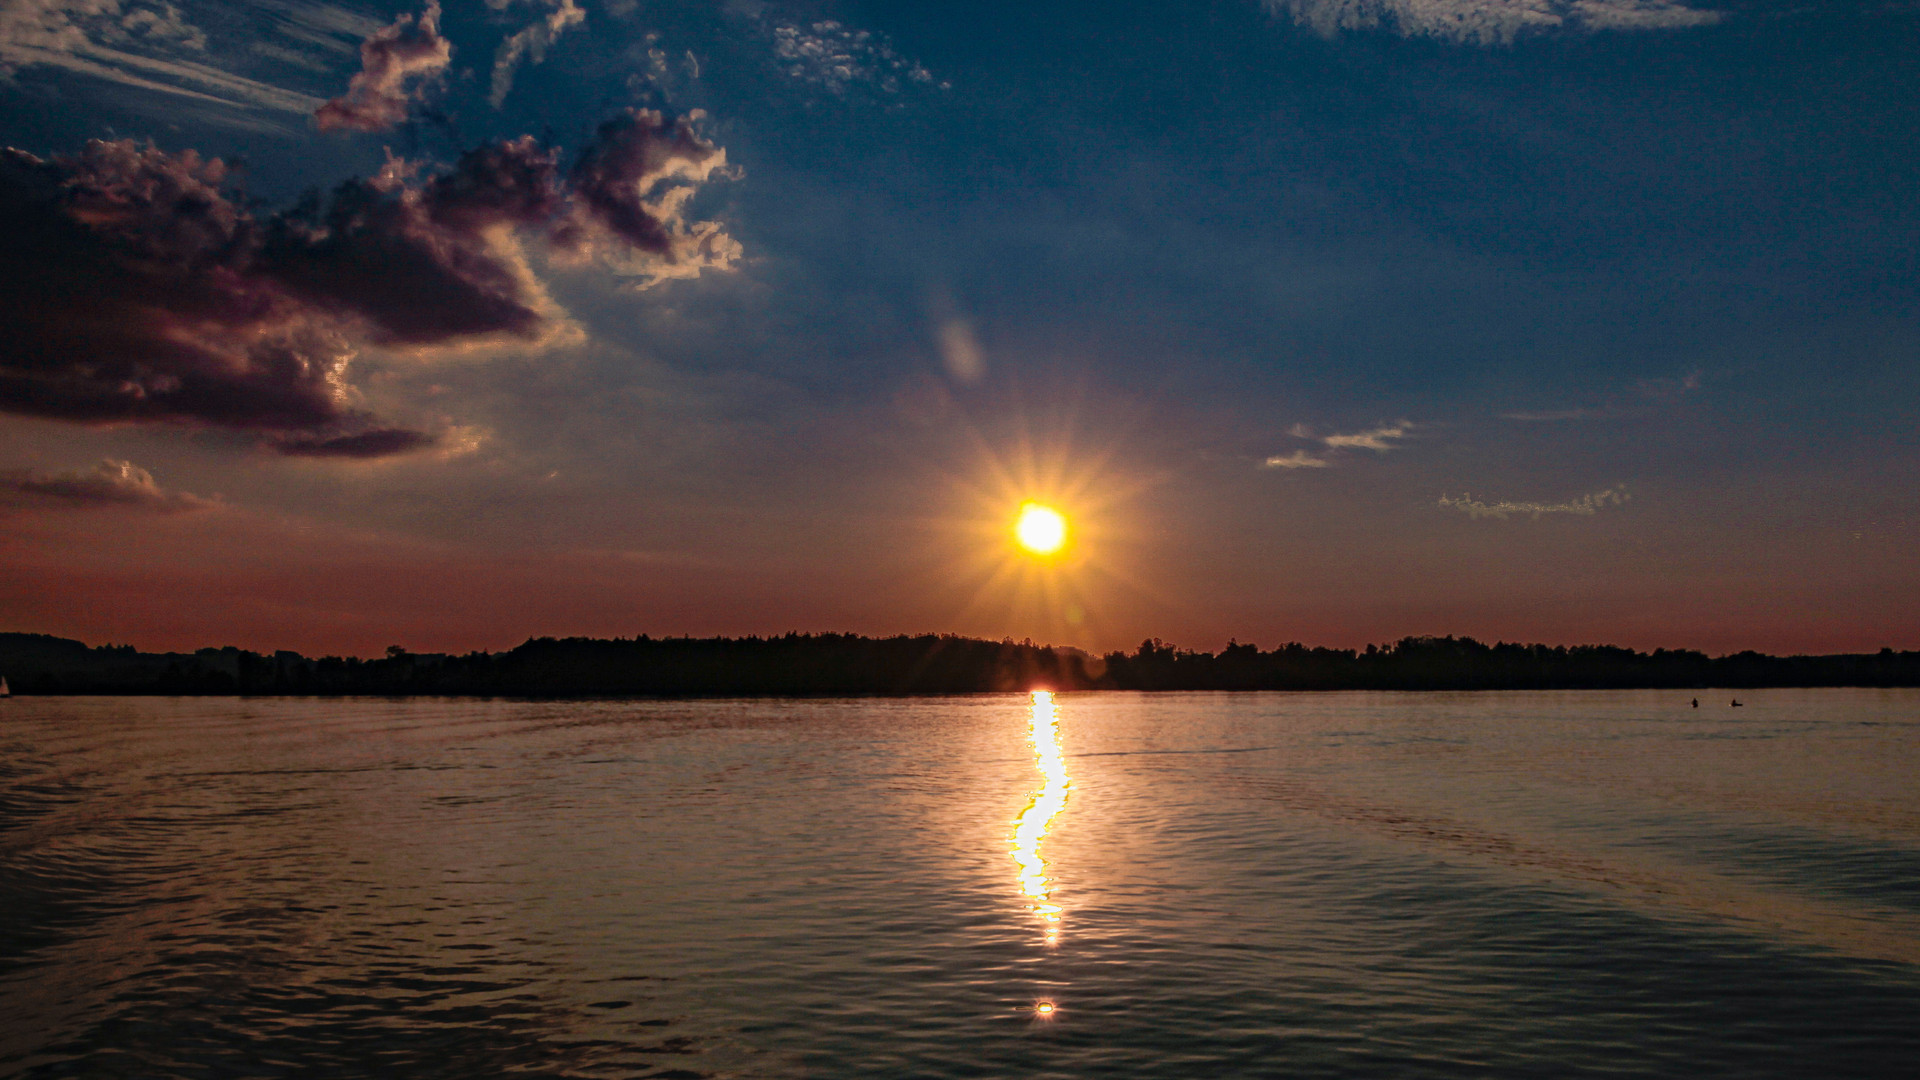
(1031, 827)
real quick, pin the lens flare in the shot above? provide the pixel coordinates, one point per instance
(1040, 529)
(1031, 827)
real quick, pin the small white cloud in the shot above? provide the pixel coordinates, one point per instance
(1299, 459)
(1584, 506)
(1379, 439)
(1489, 22)
(530, 45)
(837, 57)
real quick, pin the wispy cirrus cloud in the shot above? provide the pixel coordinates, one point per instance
(1584, 506)
(1644, 394)
(1490, 22)
(147, 46)
(111, 483)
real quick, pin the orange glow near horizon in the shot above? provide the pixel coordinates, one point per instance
(1036, 820)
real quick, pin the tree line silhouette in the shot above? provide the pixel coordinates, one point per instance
(848, 664)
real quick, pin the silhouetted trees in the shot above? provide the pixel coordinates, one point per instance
(846, 664)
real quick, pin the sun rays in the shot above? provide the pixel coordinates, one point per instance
(1043, 529)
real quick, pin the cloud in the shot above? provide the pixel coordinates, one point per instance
(377, 443)
(1489, 22)
(145, 46)
(421, 265)
(1646, 393)
(138, 291)
(1299, 459)
(1380, 439)
(131, 294)
(631, 186)
(1549, 416)
(530, 43)
(110, 483)
(330, 29)
(837, 57)
(1584, 506)
(1669, 390)
(409, 51)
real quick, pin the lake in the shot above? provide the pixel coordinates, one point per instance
(1513, 884)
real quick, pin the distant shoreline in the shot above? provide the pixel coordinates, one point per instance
(847, 665)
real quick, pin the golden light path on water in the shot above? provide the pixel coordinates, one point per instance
(1031, 827)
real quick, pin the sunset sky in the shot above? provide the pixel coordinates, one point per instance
(1323, 320)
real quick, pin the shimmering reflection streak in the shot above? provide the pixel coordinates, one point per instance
(1031, 827)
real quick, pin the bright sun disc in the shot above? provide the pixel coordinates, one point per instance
(1040, 529)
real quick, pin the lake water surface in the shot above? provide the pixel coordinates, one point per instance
(1179, 885)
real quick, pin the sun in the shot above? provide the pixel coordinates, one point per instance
(1043, 533)
(1040, 529)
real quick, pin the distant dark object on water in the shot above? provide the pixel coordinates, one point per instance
(822, 665)
(1736, 703)
(1696, 703)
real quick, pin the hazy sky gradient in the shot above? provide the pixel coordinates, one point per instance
(1323, 321)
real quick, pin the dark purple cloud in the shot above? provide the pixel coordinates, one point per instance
(506, 183)
(629, 156)
(126, 277)
(377, 443)
(108, 484)
(137, 290)
(378, 94)
(380, 257)
(415, 264)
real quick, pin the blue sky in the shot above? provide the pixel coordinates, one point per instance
(1331, 321)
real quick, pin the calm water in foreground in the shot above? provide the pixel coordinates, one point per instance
(1364, 885)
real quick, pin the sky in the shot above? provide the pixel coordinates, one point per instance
(340, 326)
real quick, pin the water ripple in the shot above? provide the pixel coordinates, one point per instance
(1304, 885)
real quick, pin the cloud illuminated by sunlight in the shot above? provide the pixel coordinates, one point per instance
(1584, 506)
(1383, 438)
